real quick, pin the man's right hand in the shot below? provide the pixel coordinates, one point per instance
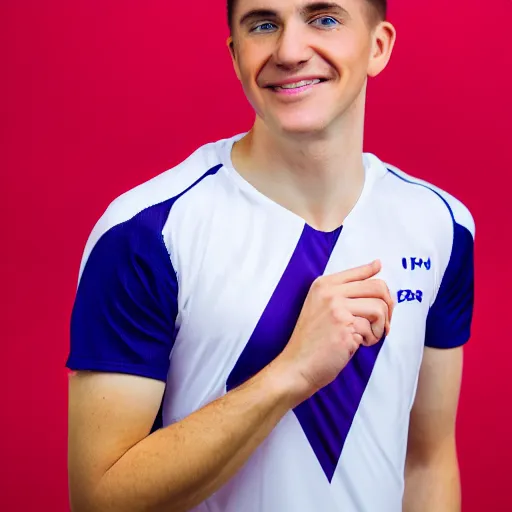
(341, 312)
(114, 464)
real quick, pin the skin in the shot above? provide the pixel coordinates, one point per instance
(432, 469)
(115, 466)
(304, 151)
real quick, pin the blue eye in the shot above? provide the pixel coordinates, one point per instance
(264, 27)
(326, 21)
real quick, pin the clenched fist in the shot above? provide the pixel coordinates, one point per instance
(341, 312)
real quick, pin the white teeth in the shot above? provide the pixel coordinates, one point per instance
(302, 83)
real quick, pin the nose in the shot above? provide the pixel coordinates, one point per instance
(292, 49)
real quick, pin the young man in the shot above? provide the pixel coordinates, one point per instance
(288, 310)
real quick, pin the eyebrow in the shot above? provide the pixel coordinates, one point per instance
(314, 7)
(258, 14)
(308, 9)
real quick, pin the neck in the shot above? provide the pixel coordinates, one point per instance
(319, 178)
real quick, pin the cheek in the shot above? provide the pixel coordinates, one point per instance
(348, 55)
(246, 73)
(247, 82)
(249, 85)
(252, 58)
(249, 68)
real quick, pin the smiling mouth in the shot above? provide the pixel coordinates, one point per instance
(297, 85)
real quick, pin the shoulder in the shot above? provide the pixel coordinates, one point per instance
(140, 213)
(432, 197)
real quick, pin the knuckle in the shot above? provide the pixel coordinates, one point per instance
(368, 331)
(321, 287)
(354, 346)
(338, 314)
(382, 287)
(318, 282)
(361, 325)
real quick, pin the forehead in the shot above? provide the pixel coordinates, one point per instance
(282, 6)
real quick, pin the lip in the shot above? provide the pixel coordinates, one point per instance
(297, 93)
(293, 80)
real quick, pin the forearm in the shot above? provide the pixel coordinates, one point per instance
(433, 485)
(179, 466)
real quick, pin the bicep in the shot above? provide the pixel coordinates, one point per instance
(108, 414)
(433, 415)
(122, 333)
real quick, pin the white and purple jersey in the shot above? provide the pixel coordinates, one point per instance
(197, 279)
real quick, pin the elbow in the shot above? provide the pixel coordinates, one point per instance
(86, 502)
(101, 500)
(90, 498)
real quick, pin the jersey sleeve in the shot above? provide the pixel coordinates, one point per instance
(123, 317)
(450, 316)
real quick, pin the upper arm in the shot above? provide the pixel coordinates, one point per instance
(433, 415)
(122, 333)
(126, 302)
(448, 328)
(108, 414)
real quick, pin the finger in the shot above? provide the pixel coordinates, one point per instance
(374, 310)
(357, 342)
(371, 288)
(364, 329)
(356, 274)
(359, 339)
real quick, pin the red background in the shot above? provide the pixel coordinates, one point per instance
(98, 96)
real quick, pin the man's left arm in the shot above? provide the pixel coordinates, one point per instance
(432, 482)
(432, 472)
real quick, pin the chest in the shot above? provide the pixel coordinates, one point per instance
(242, 292)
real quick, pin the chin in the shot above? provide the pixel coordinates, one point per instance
(301, 127)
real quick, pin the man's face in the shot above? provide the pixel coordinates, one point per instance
(302, 63)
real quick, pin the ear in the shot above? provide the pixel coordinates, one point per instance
(231, 46)
(383, 42)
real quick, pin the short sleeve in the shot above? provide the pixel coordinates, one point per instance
(450, 316)
(123, 317)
